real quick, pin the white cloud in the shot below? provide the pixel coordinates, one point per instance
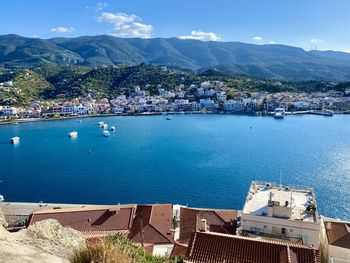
(203, 36)
(317, 40)
(100, 6)
(257, 38)
(126, 25)
(272, 42)
(61, 29)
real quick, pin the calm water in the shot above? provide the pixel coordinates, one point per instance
(199, 160)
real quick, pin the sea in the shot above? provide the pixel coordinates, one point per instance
(203, 160)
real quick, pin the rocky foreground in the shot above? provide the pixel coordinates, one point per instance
(46, 241)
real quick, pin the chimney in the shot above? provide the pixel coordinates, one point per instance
(203, 225)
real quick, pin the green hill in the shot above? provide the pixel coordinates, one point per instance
(267, 61)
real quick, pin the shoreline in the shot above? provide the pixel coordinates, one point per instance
(269, 114)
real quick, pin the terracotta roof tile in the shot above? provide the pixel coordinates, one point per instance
(156, 221)
(108, 218)
(178, 250)
(338, 234)
(218, 248)
(217, 220)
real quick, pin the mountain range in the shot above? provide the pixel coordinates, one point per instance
(264, 61)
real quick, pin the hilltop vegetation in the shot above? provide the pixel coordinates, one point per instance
(264, 61)
(53, 82)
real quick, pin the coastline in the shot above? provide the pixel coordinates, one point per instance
(268, 114)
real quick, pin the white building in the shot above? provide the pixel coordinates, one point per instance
(233, 105)
(288, 213)
(335, 246)
(208, 104)
(9, 111)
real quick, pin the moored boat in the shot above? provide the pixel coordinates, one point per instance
(101, 123)
(279, 113)
(106, 133)
(168, 117)
(104, 126)
(73, 134)
(112, 128)
(15, 140)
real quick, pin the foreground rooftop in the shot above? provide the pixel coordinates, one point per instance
(288, 202)
(207, 247)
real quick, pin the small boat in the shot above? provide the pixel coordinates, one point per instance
(101, 123)
(73, 134)
(104, 126)
(2, 199)
(279, 113)
(112, 128)
(168, 117)
(328, 113)
(15, 140)
(106, 133)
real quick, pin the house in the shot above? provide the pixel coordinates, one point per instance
(152, 228)
(149, 226)
(233, 106)
(9, 111)
(209, 247)
(213, 220)
(284, 212)
(93, 222)
(335, 247)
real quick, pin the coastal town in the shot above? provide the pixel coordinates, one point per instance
(277, 224)
(208, 96)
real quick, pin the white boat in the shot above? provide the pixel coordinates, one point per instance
(106, 133)
(73, 134)
(112, 128)
(279, 113)
(104, 126)
(101, 123)
(328, 113)
(2, 198)
(168, 117)
(15, 140)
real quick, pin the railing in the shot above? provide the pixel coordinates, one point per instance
(291, 186)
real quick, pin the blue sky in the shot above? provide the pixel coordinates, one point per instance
(310, 24)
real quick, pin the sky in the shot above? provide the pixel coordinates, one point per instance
(310, 24)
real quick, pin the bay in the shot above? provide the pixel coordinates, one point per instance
(195, 160)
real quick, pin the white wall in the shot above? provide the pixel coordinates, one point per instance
(309, 230)
(338, 255)
(162, 250)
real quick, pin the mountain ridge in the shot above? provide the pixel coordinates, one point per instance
(267, 61)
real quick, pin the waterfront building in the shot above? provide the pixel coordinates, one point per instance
(233, 106)
(9, 111)
(284, 212)
(208, 104)
(335, 241)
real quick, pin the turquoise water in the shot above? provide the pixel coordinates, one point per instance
(199, 160)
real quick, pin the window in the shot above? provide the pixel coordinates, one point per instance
(283, 231)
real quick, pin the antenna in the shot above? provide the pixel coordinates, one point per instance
(280, 178)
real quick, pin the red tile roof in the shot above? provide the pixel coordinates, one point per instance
(338, 234)
(90, 219)
(178, 250)
(217, 248)
(218, 220)
(156, 221)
